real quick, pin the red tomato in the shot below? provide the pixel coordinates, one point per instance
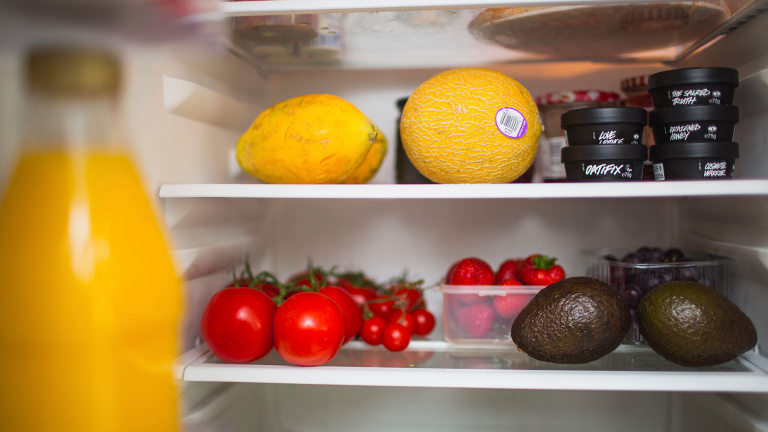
(509, 269)
(268, 289)
(237, 324)
(372, 330)
(396, 337)
(425, 322)
(380, 306)
(411, 297)
(309, 329)
(304, 279)
(403, 318)
(360, 295)
(353, 316)
(508, 306)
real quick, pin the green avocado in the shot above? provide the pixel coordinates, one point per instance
(693, 325)
(575, 320)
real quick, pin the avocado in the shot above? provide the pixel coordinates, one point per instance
(693, 325)
(575, 320)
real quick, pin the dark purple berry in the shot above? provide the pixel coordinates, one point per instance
(632, 296)
(673, 255)
(654, 256)
(632, 258)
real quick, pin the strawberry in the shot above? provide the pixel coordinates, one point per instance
(509, 269)
(540, 270)
(470, 271)
(476, 320)
(508, 306)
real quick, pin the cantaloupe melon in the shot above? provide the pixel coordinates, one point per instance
(471, 125)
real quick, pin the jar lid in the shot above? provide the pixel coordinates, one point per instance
(696, 149)
(571, 96)
(604, 152)
(694, 76)
(72, 71)
(401, 103)
(726, 113)
(634, 84)
(602, 115)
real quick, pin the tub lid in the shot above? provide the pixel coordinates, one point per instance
(726, 113)
(602, 115)
(571, 96)
(697, 149)
(603, 152)
(693, 76)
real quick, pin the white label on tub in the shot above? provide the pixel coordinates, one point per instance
(714, 169)
(609, 137)
(510, 122)
(658, 171)
(614, 170)
(681, 132)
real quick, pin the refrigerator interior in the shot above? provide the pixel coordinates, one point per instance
(187, 104)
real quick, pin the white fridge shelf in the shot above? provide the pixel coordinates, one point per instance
(439, 365)
(676, 189)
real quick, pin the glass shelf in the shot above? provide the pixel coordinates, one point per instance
(376, 34)
(438, 364)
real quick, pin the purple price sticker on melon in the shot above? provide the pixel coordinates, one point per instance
(510, 122)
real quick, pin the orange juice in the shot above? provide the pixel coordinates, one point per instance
(89, 298)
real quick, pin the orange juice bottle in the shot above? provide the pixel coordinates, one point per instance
(90, 300)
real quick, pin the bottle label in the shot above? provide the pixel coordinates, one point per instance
(510, 122)
(658, 171)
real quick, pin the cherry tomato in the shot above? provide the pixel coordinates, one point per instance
(309, 329)
(237, 324)
(396, 337)
(425, 322)
(381, 307)
(304, 278)
(410, 296)
(268, 289)
(404, 318)
(372, 330)
(360, 295)
(353, 316)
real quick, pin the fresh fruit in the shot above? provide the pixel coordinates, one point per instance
(470, 271)
(406, 319)
(370, 165)
(540, 270)
(476, 320)
(575, 320)
(237, 324)
(470, 125)
(693, 325)
(309, 329)
(372, 330)
(316, 138)
(395, 337)
(509, 305)
(381, 306)
(509, 269)
(409, 295)
(425, 322)
(353, 316)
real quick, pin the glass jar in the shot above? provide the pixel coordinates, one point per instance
(552, 106)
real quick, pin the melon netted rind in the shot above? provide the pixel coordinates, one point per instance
(449, 132)
(316, 138)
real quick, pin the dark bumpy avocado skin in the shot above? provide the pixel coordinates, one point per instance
(693, 325)
(575, 320)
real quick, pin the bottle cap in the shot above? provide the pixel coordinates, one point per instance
(72, 71)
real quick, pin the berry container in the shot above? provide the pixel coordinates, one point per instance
(604, 162)
(693, 86)
(632, 278)
(604, 126)
(483, 314)
(694, 161)
(694, 123)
